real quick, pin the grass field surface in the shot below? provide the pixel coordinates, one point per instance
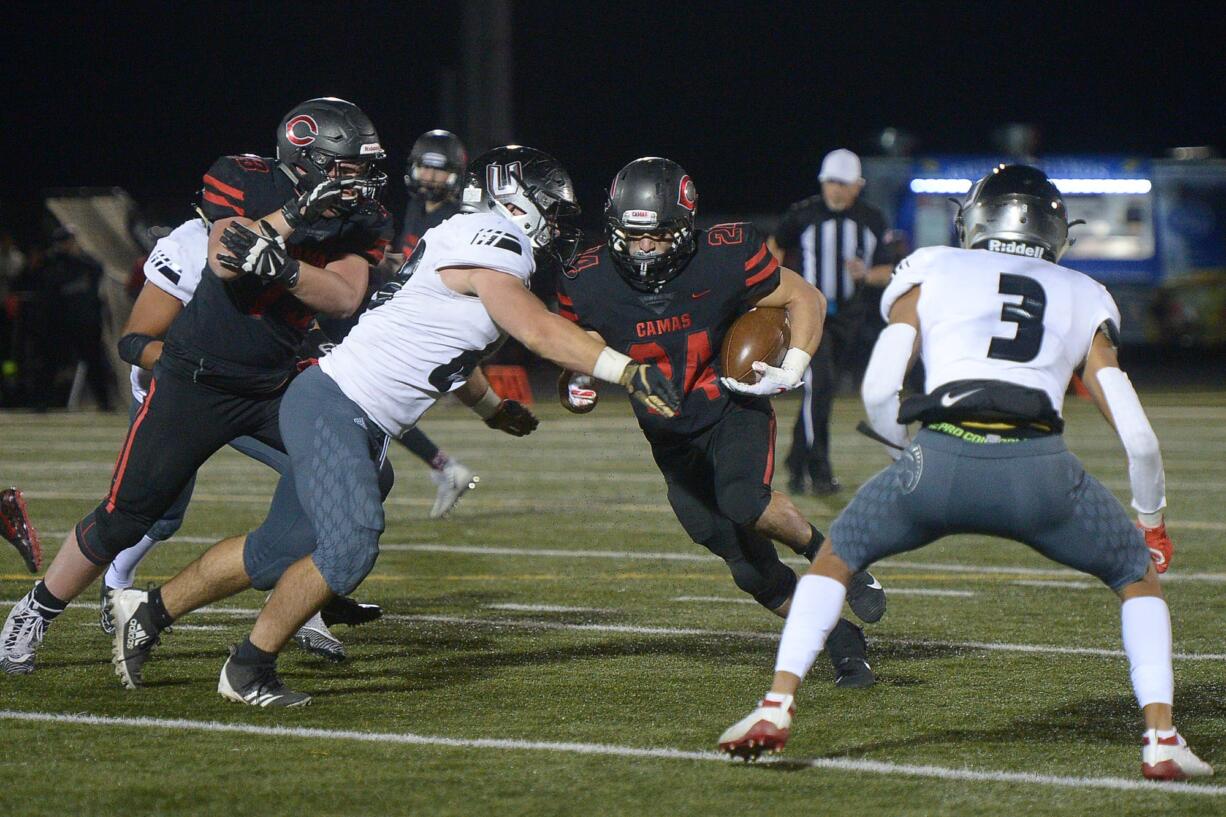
(559, 647)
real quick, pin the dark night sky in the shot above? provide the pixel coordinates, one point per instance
(746, 96)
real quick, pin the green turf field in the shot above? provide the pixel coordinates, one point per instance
(559, 647)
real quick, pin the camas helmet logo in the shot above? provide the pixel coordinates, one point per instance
(301, 130)
(640, 218)
(503, 180)
(687, 196)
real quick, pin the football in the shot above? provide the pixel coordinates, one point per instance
(762, 334)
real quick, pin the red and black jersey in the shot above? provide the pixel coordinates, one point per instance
(417, 221)
(243, 334)
(681, 327)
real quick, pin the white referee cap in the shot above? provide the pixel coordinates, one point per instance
(840, 166)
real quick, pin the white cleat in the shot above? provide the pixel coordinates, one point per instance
(22, 634)
(1170, 758)
(766, 729)
(453, 480)
(317, 639)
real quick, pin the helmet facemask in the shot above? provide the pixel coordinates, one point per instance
(648, 271)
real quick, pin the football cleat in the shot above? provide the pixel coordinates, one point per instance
(135, 635)
(317, 639)
(344, 610)
(866, 597)
(1170, 758)
(453, 480)
(256, 685)
(848, 652)
(22, 634)
(104, 609)
(766, 729)
(16, 528)
(1159, 544)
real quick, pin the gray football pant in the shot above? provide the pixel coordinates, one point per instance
(1033, 491)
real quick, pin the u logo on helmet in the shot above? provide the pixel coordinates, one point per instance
(503, 180)
(687, 196)
(301, 130)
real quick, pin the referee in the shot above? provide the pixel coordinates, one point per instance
(837, 242)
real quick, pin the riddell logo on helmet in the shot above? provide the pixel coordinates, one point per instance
(301, 130)
(1015, 248)
(372, 147)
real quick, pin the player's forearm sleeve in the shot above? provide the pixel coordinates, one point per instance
(883, 380)
(1145, 471)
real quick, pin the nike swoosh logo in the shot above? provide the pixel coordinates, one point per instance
(1158, 556)
(948, 400)
(697, 295)
(875, 585)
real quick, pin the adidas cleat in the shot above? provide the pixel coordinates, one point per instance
(317, 639)
(256, 686)
(1170, 758)
(866, 597)
(22, 634)
(453, 481)
(766, 729)
(135, 635)
(16, 528)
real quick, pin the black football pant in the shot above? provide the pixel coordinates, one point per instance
(178, 427)
(718, 485)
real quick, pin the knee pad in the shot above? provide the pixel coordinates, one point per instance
(345, 566)
(165, 528)
(102, 535)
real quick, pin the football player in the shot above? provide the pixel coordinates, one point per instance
(459, 294)
(172, 273)
(663, 292)
(433, 175)
(290, 237)
(1000, 327)
(16, 528)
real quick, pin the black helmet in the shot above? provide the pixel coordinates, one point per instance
(320, 132)
(439, 150)
(651, 196)
(536, 184)
(1014, 209)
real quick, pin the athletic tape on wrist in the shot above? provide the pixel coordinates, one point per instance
(610, 365)
(488, 405)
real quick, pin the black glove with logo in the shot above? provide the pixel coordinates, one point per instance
(261, 254)
(648, 385)
(311, 205)
(514, 418)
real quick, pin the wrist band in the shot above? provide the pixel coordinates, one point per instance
(610, 365)
(488, 405)
(796, 360)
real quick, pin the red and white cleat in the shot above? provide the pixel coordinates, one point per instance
(766, 729)
(1170, 758)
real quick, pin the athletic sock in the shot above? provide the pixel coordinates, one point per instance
(1146, 625)
(815, 543)
(45, 602)
(440, 460)
(122, 571)
(815, 610)
(251, 655)
(157, 610)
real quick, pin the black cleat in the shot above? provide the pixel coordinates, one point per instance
(344, 610)
(16, 528)
(796, 485)
(256, 685)
(826, 487)
(848, 653)
(866, 597)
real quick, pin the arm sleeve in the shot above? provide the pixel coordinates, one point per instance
(1145, 472)
(759, 267)
(883, 380)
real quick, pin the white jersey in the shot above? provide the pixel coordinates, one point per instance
(426, 339)
(174, 266)
(991, 316)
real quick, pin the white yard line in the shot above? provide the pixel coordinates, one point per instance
(546, 608)
(1053, 583)
(875, 767)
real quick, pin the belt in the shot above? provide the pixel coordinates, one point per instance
(991, 433)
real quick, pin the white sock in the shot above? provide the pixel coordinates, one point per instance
(1146, 625)
(122, 572)
(816, 606)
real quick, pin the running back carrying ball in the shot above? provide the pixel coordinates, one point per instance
(760, 334)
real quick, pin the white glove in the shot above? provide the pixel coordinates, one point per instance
(577, 392)
(774, 379)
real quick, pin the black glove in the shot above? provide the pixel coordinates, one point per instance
(311, 205)
(648, 385)
(514, 418)
(261, 254)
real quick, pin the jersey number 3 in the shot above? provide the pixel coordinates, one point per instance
(1028, 315)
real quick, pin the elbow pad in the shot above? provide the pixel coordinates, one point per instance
(1145, 473)
(132, 346)
(883, 380)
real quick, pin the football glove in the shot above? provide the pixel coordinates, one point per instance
(1161, 548)
(514, 418)
(261, 254)
(311, 205)
(773, 379)
(648, 385)
(577, 392)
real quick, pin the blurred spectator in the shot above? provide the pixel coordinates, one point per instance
(70, 317)
(837, 242)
